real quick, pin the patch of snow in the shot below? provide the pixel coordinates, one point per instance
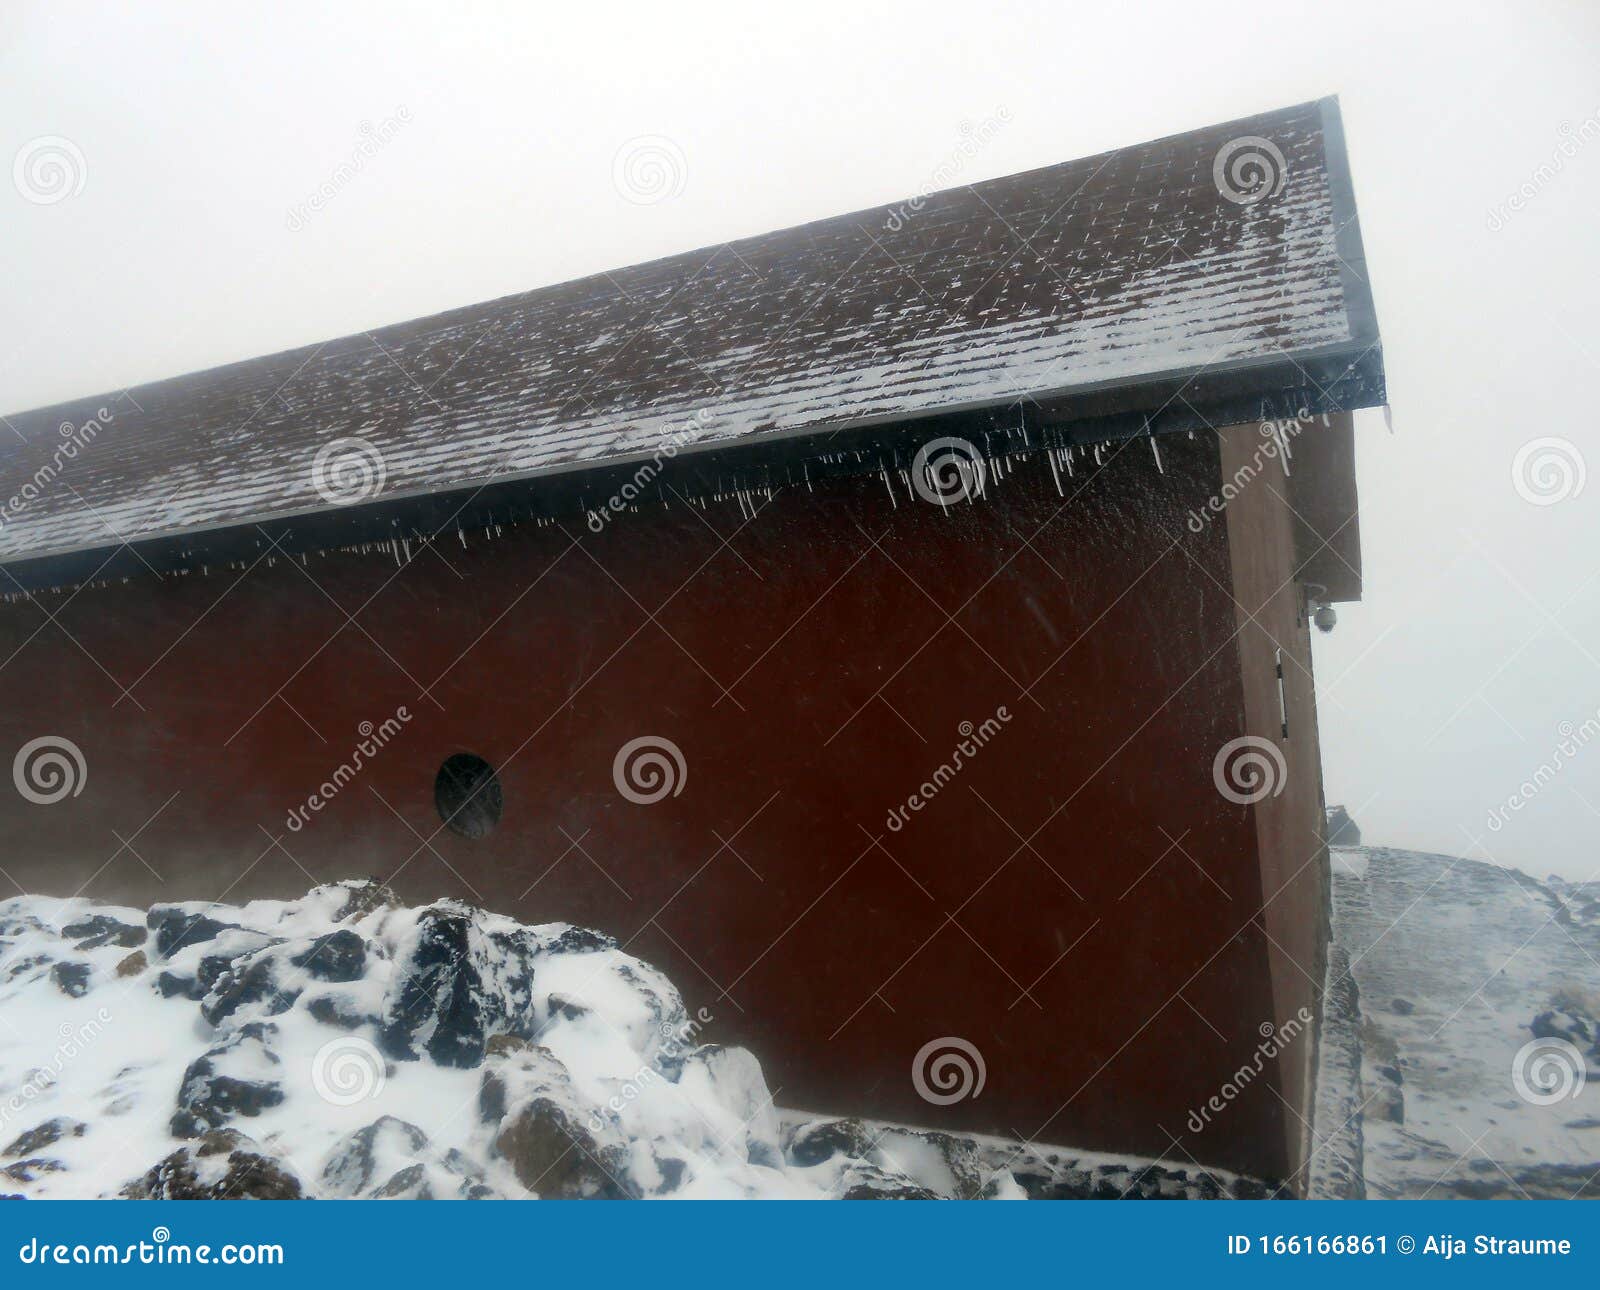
(1349, 861)
(1462, 969)
(341, 1045)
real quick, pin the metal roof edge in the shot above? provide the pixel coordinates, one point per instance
(1348, 246)
(1344, 375)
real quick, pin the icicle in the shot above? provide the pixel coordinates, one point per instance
(1156, 453)
(894, 503)
(1056, 475)
(1283, 446)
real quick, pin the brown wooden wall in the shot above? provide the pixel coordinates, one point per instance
(1273, 534)
(1079, 902)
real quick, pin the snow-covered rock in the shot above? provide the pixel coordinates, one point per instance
(342, 1045)
(862, 1159)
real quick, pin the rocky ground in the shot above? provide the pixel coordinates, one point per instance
(343, 1045)
(1460, 1054)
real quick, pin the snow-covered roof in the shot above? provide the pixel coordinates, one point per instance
(1229, 251)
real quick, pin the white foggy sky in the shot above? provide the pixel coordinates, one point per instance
(201, 125)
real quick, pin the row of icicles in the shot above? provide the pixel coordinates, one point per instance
(750, 500)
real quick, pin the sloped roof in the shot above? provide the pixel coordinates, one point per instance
(1111, 272)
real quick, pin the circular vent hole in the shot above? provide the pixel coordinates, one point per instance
(467, 794)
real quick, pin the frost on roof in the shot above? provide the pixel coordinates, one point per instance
(1111, 269)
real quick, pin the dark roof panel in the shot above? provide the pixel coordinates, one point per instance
(1106, 272)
